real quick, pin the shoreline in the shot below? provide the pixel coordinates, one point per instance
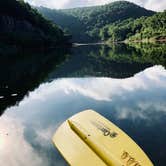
(87, 44)
(161, 40)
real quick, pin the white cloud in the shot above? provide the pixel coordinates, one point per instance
(49, 3)
(156, 5)
(149, 4)
(14, 149)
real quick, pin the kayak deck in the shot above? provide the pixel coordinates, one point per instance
(89, 139)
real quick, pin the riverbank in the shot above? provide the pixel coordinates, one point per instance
(128, 41)
(148, 40)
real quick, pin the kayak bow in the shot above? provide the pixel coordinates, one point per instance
(88, 139)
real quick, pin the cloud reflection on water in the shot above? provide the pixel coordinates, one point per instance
(103, 89)
(141, 90)
(14, 149)
(32, 123)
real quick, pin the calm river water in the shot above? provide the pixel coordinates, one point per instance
(122, 83)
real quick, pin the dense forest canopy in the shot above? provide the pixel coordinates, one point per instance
(16, 17)
(117, 21)
(99, 16)
(144, 28)
(85, 23)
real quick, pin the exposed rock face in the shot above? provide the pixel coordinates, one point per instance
(10, 24)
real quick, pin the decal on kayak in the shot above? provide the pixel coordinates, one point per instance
(104, 129)
(129, 160)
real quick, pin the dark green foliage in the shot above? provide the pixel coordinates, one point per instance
(151, 28)
(40, 30)
(154, 53)
(85, 23)
(99, 16)
(70, 24)
(144, 28)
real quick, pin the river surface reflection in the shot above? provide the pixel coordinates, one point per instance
(136, 104)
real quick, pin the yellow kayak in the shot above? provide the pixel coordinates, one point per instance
(88, 139)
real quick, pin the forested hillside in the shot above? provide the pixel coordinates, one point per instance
(22, 25)
(70, 24)
(85, 23)
(144, 28)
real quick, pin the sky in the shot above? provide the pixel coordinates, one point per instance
(156, 5)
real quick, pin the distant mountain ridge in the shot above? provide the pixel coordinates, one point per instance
(109, 13)
(85, 23)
